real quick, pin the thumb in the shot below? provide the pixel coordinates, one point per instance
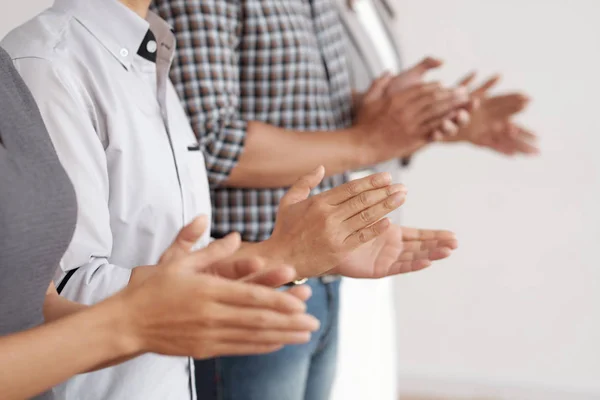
(378, 88)
(186, 238)
(302, 188)
(426, 64)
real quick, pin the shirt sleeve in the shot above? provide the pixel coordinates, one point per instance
(205, 74)
(68, 115)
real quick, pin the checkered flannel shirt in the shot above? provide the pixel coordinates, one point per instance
(282, 62)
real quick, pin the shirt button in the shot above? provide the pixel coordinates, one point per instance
(124, 52)
(151, 46)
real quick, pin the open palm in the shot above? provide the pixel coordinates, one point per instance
(399, 250)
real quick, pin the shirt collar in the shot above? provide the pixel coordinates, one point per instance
(119, 29)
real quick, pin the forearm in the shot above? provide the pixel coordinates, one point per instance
(275, 157)
(57, 307)
(35, 360)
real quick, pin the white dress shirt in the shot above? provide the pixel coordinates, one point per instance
(125, 142)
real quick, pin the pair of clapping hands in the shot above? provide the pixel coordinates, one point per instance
(221, 300)
(406, 113)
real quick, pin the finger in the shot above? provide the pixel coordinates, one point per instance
(238, 349)
(258, 336)
(252, 295)
(367, 199)
(303, 292)
(257, 318)
(526, 135)
(437, 136)
(502, 148)
(378, 88)
(522, 146)
(404, 267)
(420, 245)
(486, 86)
(214, 253)
(425, 65)
(303, 186)
(468, 79)
(186, 238)
(426, 234)
(353, 188)
(449, 128)
(435, 109)
(235, 269)
(374, 213)
(367, 234)
(272, 277)
(505, 106)
(413, 93)
(437, 253)
(463, 118)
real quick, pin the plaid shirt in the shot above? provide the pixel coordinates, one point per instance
(282, 62)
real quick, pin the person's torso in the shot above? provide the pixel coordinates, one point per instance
(37, 207)
(293, 73)
(157, 179)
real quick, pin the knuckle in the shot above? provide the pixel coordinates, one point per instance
(252, 297)
(388, 204)
(262, 320)
(365, 216)
(352, 188)
(364, 198)
(362, 237)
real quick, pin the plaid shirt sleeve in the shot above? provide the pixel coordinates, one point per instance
(205, 74)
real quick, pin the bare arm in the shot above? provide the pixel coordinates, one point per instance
(238, 152)
(275, 157)
(35, 360)
(244, 153)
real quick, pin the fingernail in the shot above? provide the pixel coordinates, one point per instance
(313, 323)
(384, 178)
(397, 199)
(397, 188)
(317, 169)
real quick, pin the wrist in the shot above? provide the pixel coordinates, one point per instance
(366, 152)
(278, 253)
(117, 323)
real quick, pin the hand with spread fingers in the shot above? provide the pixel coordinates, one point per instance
(491, 123)
(315, 234)
(399, 250)
(345, 231)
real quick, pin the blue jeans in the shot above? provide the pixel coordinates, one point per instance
(301, 372)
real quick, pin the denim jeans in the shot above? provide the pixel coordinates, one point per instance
(300, 372)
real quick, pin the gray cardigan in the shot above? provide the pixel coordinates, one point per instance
(37, 207)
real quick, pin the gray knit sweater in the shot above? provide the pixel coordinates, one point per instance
(37, 207)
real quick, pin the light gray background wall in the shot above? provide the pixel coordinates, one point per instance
(519, 304)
